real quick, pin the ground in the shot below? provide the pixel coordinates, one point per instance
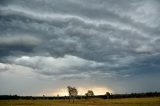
(154, 101)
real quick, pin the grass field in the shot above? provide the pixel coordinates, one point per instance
(154, 101)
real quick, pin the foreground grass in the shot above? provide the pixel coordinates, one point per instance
(154, 101)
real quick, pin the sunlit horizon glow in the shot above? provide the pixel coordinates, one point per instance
(81, 91)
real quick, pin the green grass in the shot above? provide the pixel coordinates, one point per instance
(154, 101)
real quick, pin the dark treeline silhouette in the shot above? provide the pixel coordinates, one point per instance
(111, 96)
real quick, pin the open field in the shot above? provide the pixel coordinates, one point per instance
(154, 101)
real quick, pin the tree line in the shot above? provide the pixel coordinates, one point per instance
(110, 96)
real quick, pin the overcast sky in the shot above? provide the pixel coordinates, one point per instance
(103, 45)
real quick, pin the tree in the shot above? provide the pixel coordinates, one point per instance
(72, 92)
(90, 93)
(107, 95)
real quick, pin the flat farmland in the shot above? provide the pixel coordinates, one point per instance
(154, 101)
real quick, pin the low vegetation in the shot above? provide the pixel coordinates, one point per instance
(149, 101)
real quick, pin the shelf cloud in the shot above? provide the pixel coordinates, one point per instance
(102, 43)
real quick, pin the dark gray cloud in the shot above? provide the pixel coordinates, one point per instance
(107, 41)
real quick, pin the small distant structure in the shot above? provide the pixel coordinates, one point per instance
(72, 92)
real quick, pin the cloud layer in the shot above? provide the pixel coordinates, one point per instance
(108, 42)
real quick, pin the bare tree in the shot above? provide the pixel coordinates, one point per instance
(72, 92)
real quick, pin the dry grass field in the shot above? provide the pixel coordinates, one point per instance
(154, 101)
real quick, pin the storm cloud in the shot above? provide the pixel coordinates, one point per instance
(105, 43)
